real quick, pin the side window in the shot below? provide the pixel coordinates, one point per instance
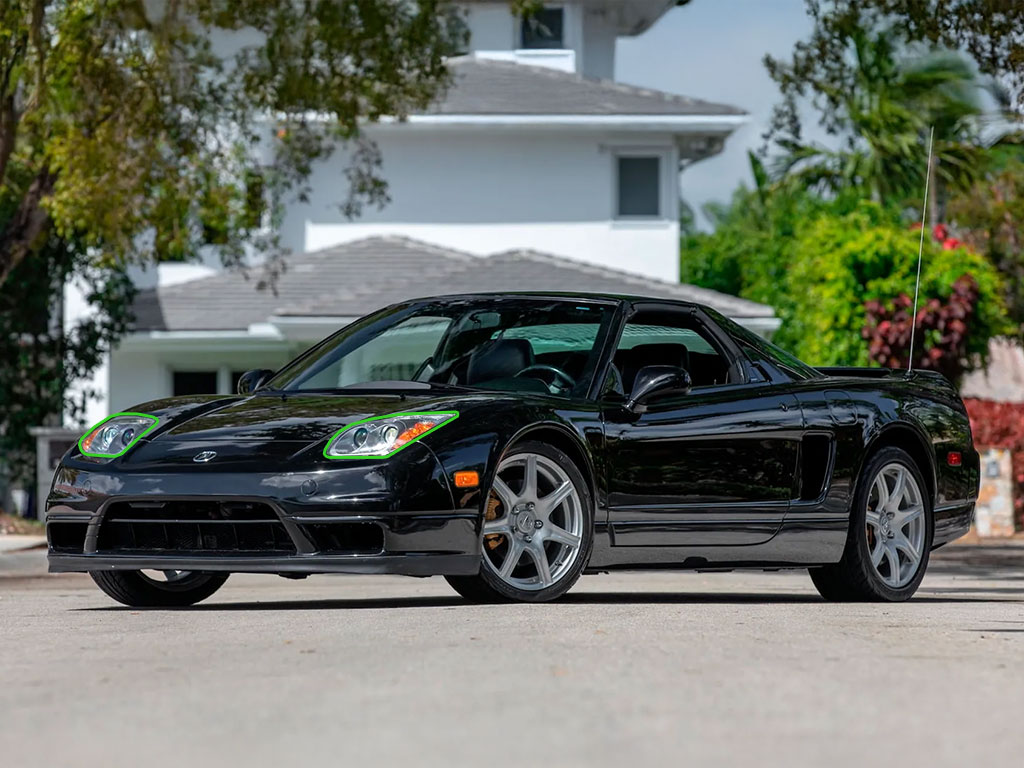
(670, 338)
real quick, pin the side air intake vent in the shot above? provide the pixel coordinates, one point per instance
(815, 463)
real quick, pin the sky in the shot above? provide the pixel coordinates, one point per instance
(713, 49)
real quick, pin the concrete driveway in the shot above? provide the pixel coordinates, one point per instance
(631, 669)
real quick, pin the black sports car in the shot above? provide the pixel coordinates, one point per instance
(513, 442)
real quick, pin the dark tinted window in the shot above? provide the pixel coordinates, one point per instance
(764, 352)
(544, 29)
(195, 383)
(504, 343)
(639, 192)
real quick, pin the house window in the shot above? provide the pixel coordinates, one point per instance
(544, 29)
(639, 186)
(194, 383)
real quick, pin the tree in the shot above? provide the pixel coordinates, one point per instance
(989, 217)
(990, 32)
(885, 111)
(148, 131)
(40, 357)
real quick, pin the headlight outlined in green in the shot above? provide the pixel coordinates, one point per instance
(154, 419)
(411, 414)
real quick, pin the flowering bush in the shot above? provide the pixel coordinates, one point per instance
(940, 343)
(841, 263)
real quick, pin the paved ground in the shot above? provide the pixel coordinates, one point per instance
(641, 669)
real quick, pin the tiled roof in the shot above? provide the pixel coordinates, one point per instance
(353, 279)
(488, 87)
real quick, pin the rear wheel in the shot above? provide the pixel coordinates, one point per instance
(158, 589)
(890, 535)
(537, 531)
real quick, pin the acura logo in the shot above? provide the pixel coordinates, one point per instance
(204, 456)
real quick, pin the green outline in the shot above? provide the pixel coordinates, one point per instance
(128, 447)
(454, 415)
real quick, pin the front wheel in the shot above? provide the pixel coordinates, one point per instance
(158, 589)
(537, 532)
(890, 535)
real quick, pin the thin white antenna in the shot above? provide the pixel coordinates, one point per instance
(920, 249)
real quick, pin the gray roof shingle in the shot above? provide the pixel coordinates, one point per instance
(353, 279)
(489, 87)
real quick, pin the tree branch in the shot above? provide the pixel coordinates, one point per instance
(27, 225)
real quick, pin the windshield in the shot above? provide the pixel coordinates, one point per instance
(512, 344)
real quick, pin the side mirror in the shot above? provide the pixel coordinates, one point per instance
(658, 380)
(250, 381)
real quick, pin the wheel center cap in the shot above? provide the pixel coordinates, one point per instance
(525, 522)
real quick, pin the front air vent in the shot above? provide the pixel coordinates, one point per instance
(67, 538)
(196, 527)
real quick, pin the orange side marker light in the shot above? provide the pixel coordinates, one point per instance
(467, 479)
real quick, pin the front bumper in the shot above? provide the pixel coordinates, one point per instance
(365, 517)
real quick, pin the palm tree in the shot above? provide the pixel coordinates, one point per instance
(889, 107)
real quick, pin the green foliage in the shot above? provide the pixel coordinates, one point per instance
(750, 250)
(990, 217)
(140, 136)
(42, 359)
(840, 262)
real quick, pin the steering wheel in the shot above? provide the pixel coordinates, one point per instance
(567, 381)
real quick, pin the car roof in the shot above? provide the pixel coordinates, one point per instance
(617, 298)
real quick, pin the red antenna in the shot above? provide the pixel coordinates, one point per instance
(920, 248)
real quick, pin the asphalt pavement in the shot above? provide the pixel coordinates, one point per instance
(630, 669)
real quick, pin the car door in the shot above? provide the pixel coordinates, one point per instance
(716, 466)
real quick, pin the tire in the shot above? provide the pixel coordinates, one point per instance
(904, 529)
(136, 589)
(517, 520)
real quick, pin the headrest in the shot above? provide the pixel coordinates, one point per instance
(499, 359)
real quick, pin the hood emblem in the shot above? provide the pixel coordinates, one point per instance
(204, 456)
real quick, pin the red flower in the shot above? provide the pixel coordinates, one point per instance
(940, 232)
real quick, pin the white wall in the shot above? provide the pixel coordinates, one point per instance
(587, 31)
(142, 372)
(486, 191)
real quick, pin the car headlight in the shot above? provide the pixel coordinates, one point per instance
(384, 435)
(116, 434)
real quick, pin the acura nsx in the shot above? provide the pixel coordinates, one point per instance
(511, 443)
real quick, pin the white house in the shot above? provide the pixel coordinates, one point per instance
(535, 171)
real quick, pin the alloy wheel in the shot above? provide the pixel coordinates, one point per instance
(895, 525)
(533, 528)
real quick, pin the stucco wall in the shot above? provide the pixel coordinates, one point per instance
(488, 191)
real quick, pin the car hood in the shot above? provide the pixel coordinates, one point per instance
(293, 418)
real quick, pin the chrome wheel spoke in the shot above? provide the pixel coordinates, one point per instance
(901, 542)
(893, 559)
(562, 536)
(906, 516)
(512, 557)
(896, 496)
(496, 526)
(504, 494)
(551, 502)
(878, 553)
(530, 478)
(540, 560)
(874, 519)
(882, 488)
